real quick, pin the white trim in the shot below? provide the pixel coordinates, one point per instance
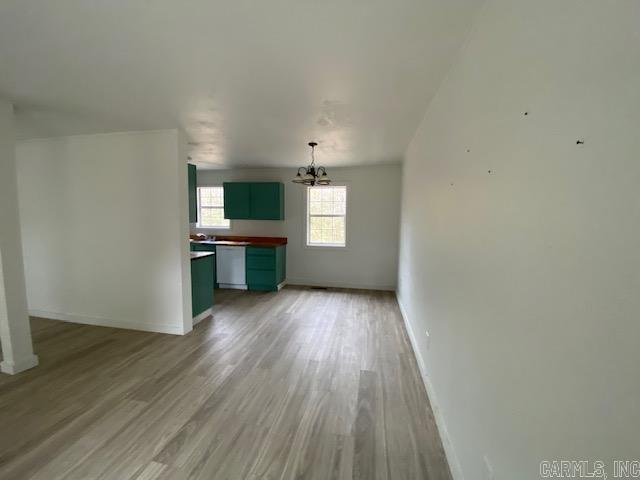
(233, 286)
(303, 282)
(19, 365)
(452, 458)
(174, 329)
(198, 318)
(224, 229)
(326, 245)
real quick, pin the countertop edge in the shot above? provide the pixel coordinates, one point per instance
(230, 243)
(198, 255)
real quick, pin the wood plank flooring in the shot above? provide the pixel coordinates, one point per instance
(299, 384)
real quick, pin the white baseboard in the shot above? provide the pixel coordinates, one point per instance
(330, 284)
(232, 286)
(198, 318)
(176, 329)
(452, 458)
(19, 365)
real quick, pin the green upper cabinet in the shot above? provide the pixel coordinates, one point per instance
(193, 186)
(254, 201)
(237, 200)
(267, 201)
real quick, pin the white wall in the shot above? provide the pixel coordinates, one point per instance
(15, 331)
(104, 228)
(373, 207)
(528, 277)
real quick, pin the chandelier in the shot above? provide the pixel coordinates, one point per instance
(312, 175)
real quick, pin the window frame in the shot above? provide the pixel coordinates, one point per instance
(307, 223)
(199, 209)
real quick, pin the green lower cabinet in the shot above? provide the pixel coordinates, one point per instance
(266, 267)
(195, 247)
(262, 280)
(202, 284)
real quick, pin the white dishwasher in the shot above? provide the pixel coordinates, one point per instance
(230, 267)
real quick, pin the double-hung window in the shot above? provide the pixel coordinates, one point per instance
(327, 216)
(211, 208)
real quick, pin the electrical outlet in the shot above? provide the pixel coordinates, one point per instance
(488, 469)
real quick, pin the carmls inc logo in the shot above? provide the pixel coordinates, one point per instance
(587, 469)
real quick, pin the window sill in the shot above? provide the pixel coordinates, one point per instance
(326, 247)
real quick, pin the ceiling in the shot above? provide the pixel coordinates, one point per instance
(251, 82)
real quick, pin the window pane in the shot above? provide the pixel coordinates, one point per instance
(326, 194)
(314, 194)
(211, 208)
(206, 197)
(315, 236)
(218, 217)
(327, 223)
(213, 217)
(315, 223)
(207, 217)
(211, 196)
(327, 209)
(315, 208)
(327, 236)
(327, 200)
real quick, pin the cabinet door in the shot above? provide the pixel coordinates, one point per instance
(201, 285)
(281, 263)
(199, 247)
(266, 267)
(193, 185)
(237, 200)
(267, 201)
(262, 280)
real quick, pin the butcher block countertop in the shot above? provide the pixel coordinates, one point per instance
(238, 241)
(195, 255)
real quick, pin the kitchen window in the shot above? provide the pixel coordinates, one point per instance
(211, 208)
(327, 216)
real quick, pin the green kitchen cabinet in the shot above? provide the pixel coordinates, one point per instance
(199, 247)
(202, 247)
(266, 267)
(254, 200)
(202, 284)
(267, 201)
(237, 200)
(193, 193)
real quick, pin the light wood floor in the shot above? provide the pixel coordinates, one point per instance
(297, 384)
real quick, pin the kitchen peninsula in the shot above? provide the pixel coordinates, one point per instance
(203, 269)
